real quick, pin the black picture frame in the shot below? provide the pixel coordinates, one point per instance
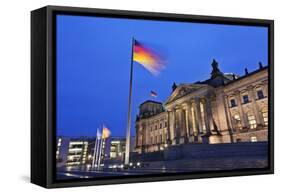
(43, 94)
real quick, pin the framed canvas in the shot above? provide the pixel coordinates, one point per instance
(126, 96)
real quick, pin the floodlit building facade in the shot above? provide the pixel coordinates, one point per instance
(117, 148)
(71, 152)
(77, 153)
(226, 108)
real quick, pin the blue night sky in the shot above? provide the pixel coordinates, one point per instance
(93, 65)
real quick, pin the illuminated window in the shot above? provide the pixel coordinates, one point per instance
(245, 99)
(254, 139)
(264, 113)
(260, 94)
(252, 121)
(112, 148)
(232, 103)
(237, 121)
(113, 155)
(76, 143)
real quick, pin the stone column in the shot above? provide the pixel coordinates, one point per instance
(254, 105)
(198, 115)
(189, 120)
(209, 113)
(176, 125)
(226, 104)
(182, 123)
(172, 125)
(228, 118)
(206, 116)
(168, 127)
(240, 109)
(186, 119)
(193, 119)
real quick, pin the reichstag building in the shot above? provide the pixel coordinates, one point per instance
(226, 108)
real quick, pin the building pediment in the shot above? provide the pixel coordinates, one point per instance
(184, 90)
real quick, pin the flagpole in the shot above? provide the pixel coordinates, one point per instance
(128, 135)
(95, 150)
(101, 148)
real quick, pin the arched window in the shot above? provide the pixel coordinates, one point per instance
(251, 120)
(264, 113)
(237, 121)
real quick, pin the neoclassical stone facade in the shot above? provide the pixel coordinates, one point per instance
(226, 108)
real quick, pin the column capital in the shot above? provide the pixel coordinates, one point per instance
(192, 100)
(185, 105)
(197, 99)
(170, 109)
(177, 108)
(204, 99)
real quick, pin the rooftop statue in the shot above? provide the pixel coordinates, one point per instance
(216, 71)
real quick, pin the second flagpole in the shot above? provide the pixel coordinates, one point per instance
(128, 134)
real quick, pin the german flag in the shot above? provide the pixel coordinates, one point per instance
(105, 132)
(148, 58)
(153, 94)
